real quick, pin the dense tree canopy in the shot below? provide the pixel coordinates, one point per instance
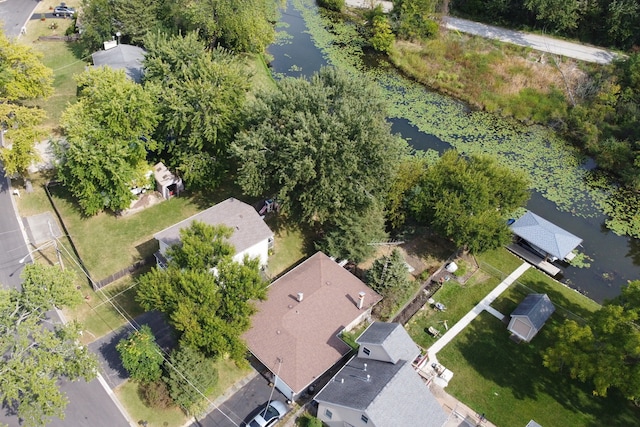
(23, 77)
(606, 350)
(204, 293)
(468, 199)
(190, 377)
(201, 93)
(240, 25)
(107, 137)
(141, 356)
(602, 22)
(322, 147)
(34, 357)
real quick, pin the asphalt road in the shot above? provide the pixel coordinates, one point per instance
(242, 406)
(541, 43)
(12, 244)
(90, 405)
(14, 14)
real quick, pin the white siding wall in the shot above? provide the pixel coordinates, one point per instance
(522, 327)
(284, 388)
(366, 314)
(163, 247)
(259, 250)
(376, 352)
(340, 416)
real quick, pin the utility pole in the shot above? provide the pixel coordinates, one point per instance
(55, 245)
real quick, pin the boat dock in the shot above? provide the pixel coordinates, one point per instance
(534, 259)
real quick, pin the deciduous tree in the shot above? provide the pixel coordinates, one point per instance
(141, 356)
(23, 77)
(107, 137)
(322, 147)
(239, 25)
(190, 377)
(467, 199)
(34, 357)
(202, 93)
(208, 297)
(606, 350)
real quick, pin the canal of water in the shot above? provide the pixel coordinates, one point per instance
(616, 259)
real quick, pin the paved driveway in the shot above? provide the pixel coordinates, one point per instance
(105, 348)
(242, 405)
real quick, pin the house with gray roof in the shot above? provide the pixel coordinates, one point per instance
(545, 236)
(388, 342)
(530, 316)
(385, 392)
(251, 236)
(121, 57)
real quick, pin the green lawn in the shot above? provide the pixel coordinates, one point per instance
(507, 382)
(127, 393)
(98, 314)
(457, 298)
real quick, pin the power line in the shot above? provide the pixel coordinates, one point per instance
(130, 321)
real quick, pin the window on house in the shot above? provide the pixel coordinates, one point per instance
(366, 351)
(364, 419)
(328, 413)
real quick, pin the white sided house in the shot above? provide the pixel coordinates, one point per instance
(379, 387)
(251, 235)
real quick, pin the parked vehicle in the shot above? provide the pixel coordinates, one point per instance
(269, 415)
(63, 10)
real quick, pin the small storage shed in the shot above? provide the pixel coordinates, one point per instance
(529, 317)
(167, 183)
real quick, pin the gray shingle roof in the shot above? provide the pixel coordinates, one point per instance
(393, 338)
(393, 394)
(248, 228)
(122, 57)
(546, 235)
(537, 307)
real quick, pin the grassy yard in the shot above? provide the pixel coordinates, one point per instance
(228, 374)
(98, 315)
(507, 382)
(458, 299)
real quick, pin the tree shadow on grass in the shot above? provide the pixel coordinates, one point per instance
(487, 348)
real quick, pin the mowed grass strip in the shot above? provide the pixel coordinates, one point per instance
(128, 393)
(108, 243)
(507, 381)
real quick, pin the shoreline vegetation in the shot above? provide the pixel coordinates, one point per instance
(535, 89)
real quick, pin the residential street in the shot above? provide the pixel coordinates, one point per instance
(541, 43)
(15, 13)
(12, 245)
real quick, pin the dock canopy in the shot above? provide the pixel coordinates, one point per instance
(547, 236)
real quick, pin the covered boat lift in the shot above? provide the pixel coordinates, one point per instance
(545, 237)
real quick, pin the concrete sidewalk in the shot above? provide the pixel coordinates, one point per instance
(475, 311)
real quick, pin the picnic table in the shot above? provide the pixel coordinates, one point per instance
(433, 331)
